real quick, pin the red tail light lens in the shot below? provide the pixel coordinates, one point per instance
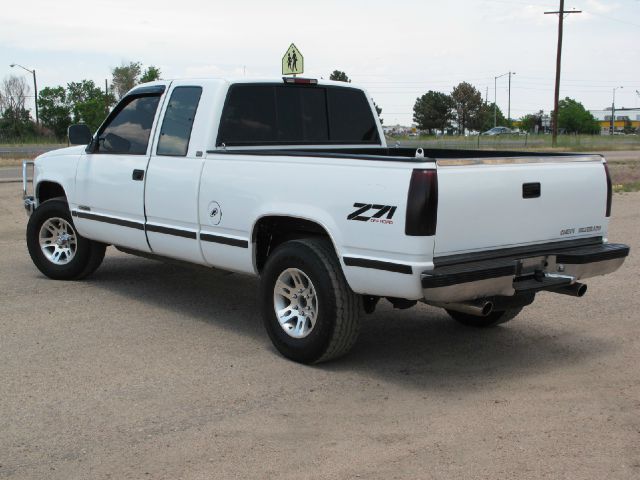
(422, 204)
(609, 190)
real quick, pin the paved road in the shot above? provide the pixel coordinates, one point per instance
(29, 150)
(149, 370)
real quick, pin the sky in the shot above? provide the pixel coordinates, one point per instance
(396, 50)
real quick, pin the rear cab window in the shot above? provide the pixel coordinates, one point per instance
(278, 114)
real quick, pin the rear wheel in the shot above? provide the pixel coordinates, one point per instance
(491, 320)
(310, 313)
(56, 248)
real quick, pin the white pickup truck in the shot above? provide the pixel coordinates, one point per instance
(291, 180)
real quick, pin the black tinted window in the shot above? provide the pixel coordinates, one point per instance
(249, 115)
(290, 114)
(350, 116)
(129, 131)
(178, 121)
(302, 115)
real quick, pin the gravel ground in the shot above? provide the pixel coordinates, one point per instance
(149, 370)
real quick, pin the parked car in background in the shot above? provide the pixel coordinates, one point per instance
(498, 131)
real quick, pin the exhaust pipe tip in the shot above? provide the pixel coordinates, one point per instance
(576, 290)
(487, 308)
(478, 308)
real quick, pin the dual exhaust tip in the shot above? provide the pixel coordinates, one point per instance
(484, 308)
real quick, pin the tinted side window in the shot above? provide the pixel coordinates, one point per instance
(350, 117)
(129, 131)
(178, 121)
(249, 115)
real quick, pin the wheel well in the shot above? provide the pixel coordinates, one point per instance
(48, 190)
(269, 232)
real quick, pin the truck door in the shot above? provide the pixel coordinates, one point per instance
(173, 177)
(110, 180)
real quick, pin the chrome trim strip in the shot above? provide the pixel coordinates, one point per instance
(462, 162)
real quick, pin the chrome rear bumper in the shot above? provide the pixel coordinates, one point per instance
(518, 271)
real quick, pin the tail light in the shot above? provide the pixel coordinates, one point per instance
(609, 190)
(422, 204)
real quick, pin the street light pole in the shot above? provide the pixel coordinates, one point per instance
(495, 95)
(613, 112)
(509, 108)
(35, 87)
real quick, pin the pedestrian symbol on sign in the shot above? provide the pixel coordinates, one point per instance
(293, 61)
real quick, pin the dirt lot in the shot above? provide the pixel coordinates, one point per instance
(149, 370)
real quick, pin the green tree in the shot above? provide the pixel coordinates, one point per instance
(379, 112)
(125, 77)
(339, 76)
(55, 111)
(433, 111)
(528, 122)
(487, 116)
(150, 74)
(468, 106)
(574, 118)
(16, 124)
(88, 103)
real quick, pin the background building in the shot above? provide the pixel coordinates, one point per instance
(626, 119)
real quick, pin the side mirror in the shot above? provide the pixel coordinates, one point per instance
(79, 134)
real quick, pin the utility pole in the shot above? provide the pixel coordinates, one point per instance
(495, 94)
(561, 13)
(612, 127)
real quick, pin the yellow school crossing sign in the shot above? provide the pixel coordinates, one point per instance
(293, 61)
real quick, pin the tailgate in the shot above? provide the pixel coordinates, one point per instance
(488, 203)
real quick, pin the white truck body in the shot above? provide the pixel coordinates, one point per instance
(206, 206)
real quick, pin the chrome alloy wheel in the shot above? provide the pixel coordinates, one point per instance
(58, 241)
(295, 302)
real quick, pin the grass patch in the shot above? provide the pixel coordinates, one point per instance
(574, 143)
(627, 187)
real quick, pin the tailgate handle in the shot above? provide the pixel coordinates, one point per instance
(531, 190)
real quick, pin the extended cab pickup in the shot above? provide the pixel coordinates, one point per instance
(291, 180)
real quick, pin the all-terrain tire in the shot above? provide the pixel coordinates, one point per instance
(337, 323)
(87, 256)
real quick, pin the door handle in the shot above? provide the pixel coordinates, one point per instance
(137, 175)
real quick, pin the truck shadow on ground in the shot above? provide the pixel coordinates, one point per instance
(420, 347)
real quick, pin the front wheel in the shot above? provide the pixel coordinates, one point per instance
(56, 248)
(310, 312)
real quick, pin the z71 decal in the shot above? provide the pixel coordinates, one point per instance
(368, 212)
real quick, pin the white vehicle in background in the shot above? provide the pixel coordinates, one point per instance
(291, 180)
